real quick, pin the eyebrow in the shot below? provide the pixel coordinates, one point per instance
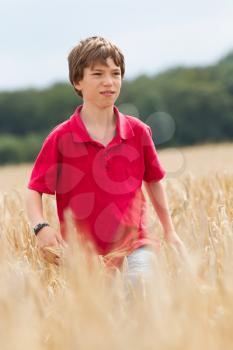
(100, 70)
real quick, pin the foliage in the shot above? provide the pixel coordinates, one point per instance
(199, 100)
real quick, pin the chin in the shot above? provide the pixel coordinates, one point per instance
(106, 105)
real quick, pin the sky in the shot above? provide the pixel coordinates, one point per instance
(37, 35)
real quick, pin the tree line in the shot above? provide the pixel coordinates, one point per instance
(183, 106)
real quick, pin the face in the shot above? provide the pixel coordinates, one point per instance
(101, 84)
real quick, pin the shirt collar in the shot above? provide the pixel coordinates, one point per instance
(80, 133)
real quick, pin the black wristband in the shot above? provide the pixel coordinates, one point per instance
(39, 226)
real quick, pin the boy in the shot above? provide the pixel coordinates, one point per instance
(95, 163)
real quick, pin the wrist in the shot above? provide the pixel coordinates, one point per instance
(39, 226)
(169, 231)
(170, 235)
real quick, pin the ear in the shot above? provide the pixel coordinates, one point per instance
(77, 86)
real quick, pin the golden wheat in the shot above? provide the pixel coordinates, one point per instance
(82, 305)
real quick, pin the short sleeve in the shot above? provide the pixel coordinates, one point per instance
(154, 171)
(44, 173)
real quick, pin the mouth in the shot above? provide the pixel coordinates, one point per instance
(107, 93)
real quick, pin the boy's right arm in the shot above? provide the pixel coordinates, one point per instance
(47, 236)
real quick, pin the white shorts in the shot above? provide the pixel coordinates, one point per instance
(139, 265)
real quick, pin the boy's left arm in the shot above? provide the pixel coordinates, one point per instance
(159, 201)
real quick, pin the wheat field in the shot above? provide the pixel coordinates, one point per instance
(82, 305)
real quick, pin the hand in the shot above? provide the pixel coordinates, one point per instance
(172, 238)
(48, 237)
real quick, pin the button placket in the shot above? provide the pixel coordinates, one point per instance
(108, 154)
(107, 157)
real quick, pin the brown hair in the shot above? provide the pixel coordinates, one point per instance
(88, 52)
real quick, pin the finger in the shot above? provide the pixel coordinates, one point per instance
(61, 241)
(43, 255)
(39, 245)
(54, 243)
(51, 258)
(57, 261)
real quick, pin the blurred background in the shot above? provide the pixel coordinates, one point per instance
(179, 68)
(179, 80)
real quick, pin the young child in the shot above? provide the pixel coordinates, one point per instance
(95, 163)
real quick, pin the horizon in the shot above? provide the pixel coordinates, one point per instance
(127, 78)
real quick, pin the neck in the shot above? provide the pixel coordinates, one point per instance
(95, 116)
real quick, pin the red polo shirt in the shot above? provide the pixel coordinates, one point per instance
(101, 185)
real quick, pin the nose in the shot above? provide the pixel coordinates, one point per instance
(107, 80)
